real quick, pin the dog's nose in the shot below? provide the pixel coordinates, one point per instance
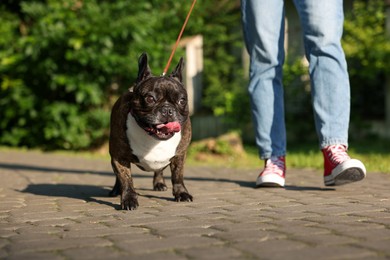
(166, 111)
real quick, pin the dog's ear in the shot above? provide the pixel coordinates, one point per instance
(177, 73)
(144, 71)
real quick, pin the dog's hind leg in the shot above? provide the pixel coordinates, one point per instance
(158, 181)
(116, 190)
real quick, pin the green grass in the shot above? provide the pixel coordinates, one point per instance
(375, 154)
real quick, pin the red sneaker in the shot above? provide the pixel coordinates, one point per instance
(273, 174)
(340, 168)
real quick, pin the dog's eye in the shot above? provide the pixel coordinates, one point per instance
(150, 99)
(182, 101)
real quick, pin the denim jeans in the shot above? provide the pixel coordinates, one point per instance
(322, 26)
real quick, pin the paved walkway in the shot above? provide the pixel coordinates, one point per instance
(55, 207)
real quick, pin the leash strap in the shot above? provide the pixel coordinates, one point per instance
(178, 38)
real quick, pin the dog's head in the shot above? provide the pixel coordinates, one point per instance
(159, 103)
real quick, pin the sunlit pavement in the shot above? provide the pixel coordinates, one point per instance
(56, 207)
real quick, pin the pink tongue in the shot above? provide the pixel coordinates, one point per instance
(169, 127)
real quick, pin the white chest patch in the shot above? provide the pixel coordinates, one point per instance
(153, 154)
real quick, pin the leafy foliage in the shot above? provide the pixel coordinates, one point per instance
(63, 63)
(368, 53)
(64, 59)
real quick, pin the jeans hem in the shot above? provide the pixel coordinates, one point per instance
(327, 143)
(268, 155)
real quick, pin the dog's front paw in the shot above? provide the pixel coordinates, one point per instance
(129, 201)
(181, 194)
(160, 187)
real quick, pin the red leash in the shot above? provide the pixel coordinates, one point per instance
(178, 38)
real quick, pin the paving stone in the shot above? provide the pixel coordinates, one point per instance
(92, 252)
(213, 252)
(56, 207)
(53, 244)
(270, 248)
(51, 255)
(326, 252)
(379, 245)
(158, 244)
(171, 254)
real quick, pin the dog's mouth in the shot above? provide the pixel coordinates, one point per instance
(163, 131)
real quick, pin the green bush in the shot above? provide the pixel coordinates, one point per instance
(63, 63)
(58, 64)
(368, 53)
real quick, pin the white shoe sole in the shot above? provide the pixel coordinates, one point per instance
(270, 180)
(347, 172)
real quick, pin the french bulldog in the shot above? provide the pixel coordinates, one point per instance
(150, 127)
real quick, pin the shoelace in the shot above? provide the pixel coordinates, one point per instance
(274, 165)
(337, 154)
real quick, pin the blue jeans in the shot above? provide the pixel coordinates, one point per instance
(322, 26)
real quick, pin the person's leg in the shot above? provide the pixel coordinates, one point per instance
(263, 26)
(322, 23)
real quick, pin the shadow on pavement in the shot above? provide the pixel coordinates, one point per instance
(25, 167)
(88, 193)
(307, 188)
(245, 184)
